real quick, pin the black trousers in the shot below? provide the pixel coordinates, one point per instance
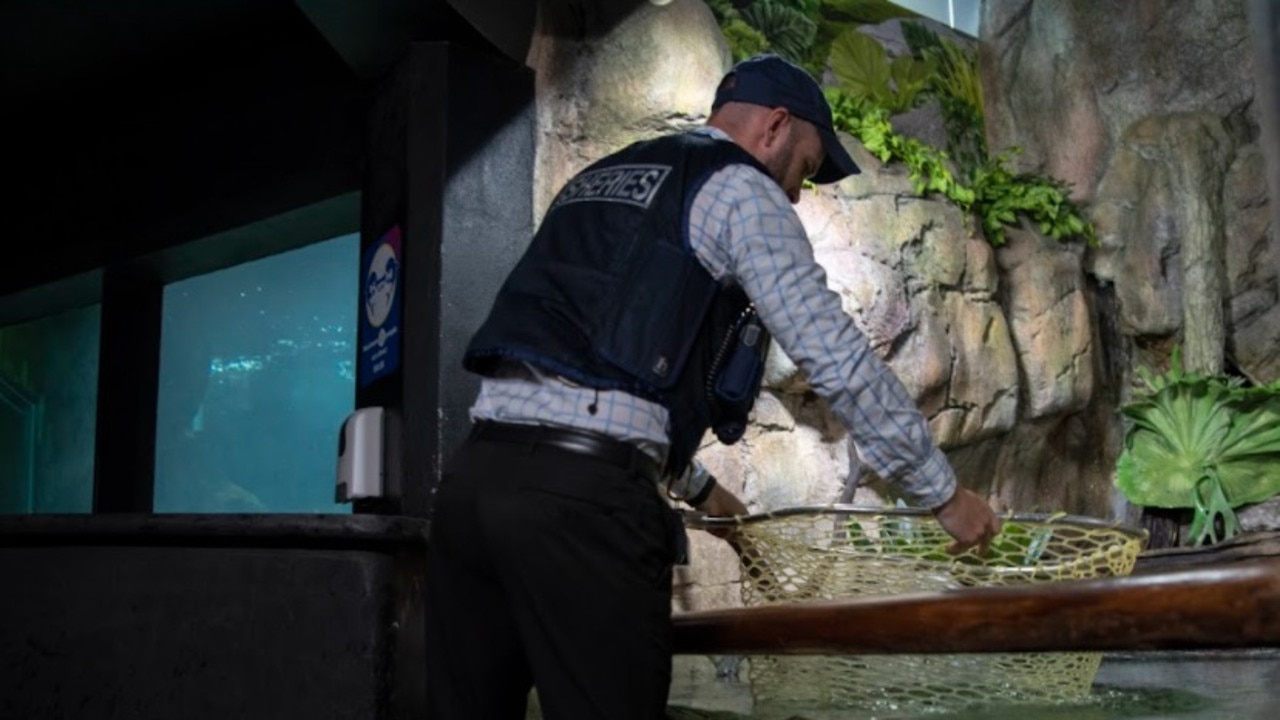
(553, 569)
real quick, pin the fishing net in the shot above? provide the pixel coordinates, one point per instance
(840, 552)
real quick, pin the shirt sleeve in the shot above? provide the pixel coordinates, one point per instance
(743, 227)
(691, 484)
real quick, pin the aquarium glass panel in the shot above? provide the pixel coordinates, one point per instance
(48, 409)
(256, 377)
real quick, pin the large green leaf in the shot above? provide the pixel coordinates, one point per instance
(1165, 451)
(910, 78)
(1192, 426)
(1251, 450)
(1172, 443)
(863, 70)
(789, 31)
(860, 66)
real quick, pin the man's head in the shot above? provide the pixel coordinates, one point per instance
(777, 112)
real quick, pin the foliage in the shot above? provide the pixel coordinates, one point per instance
(957, 85)
(871, 89)
(870, 124)
(829, 18)
(1001, 196)
(990, 188)
(864, 71)
(744, 40)
(863, 12)
(810, 8)
(788, 30)
(1202, 442)
(1017, 545)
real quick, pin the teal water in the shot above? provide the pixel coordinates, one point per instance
(1140, 686)
(257, 374)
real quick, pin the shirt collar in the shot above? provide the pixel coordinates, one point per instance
(714, 132)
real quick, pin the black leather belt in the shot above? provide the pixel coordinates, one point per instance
(606, 449)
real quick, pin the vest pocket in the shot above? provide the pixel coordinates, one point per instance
(652, 323)
(735, 376)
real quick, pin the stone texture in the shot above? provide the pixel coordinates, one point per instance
(1147, 108)
(710, 580)
(1182, 213)
(1260, 516)
(1252, 270)
(923, 290)
(1050, 321)
(1063, 80)
(604, 81)
(1155, 101)
(1138, 230)
(984, 376)
(804, 465)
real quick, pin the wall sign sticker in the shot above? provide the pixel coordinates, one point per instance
(380, 308)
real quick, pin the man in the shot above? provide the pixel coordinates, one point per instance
(637, 319)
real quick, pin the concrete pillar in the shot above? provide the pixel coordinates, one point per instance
(447, 210)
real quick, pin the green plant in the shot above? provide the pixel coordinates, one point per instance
(860, 12)
(957, 85)
(871, 88)
(788, 29)
(870, 124)
(864, 71)
(1017, 545)
(744, 40)
(1002, 195)
(991, 190)
(1201, 442)
(829, 18)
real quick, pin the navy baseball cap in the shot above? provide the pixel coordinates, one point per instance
(771, 81)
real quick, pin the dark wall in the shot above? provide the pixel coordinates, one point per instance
(214, 121)
(151, 138)
(451, 163)
(195, 617)
(225, 113)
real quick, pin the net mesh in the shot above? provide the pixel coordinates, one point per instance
(841, 552)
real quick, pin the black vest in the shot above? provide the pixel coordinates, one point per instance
(610, 295)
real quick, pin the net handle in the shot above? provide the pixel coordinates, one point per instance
(720, 525)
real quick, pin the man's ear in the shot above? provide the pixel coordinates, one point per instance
(777, 124)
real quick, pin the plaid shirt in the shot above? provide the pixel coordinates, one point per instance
(743, 229)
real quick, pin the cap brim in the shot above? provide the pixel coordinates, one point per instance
(837, 165)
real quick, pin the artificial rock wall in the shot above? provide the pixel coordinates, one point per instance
(1019, 355)
(1149, 108)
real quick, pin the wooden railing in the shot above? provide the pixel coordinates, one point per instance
(1220, 607)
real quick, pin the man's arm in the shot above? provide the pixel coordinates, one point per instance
(968, 519)
(722, 503)
(700, 490)
(747, 230)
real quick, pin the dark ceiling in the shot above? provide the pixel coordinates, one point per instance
(135, 125)
(66, 45)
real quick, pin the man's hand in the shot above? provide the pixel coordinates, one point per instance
(722, 503)
(969, 520)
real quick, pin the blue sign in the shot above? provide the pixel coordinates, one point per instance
(380, 318)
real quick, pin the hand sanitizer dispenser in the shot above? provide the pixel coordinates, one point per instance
(361, 456)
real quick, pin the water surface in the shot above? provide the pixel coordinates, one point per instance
(1137, 686)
